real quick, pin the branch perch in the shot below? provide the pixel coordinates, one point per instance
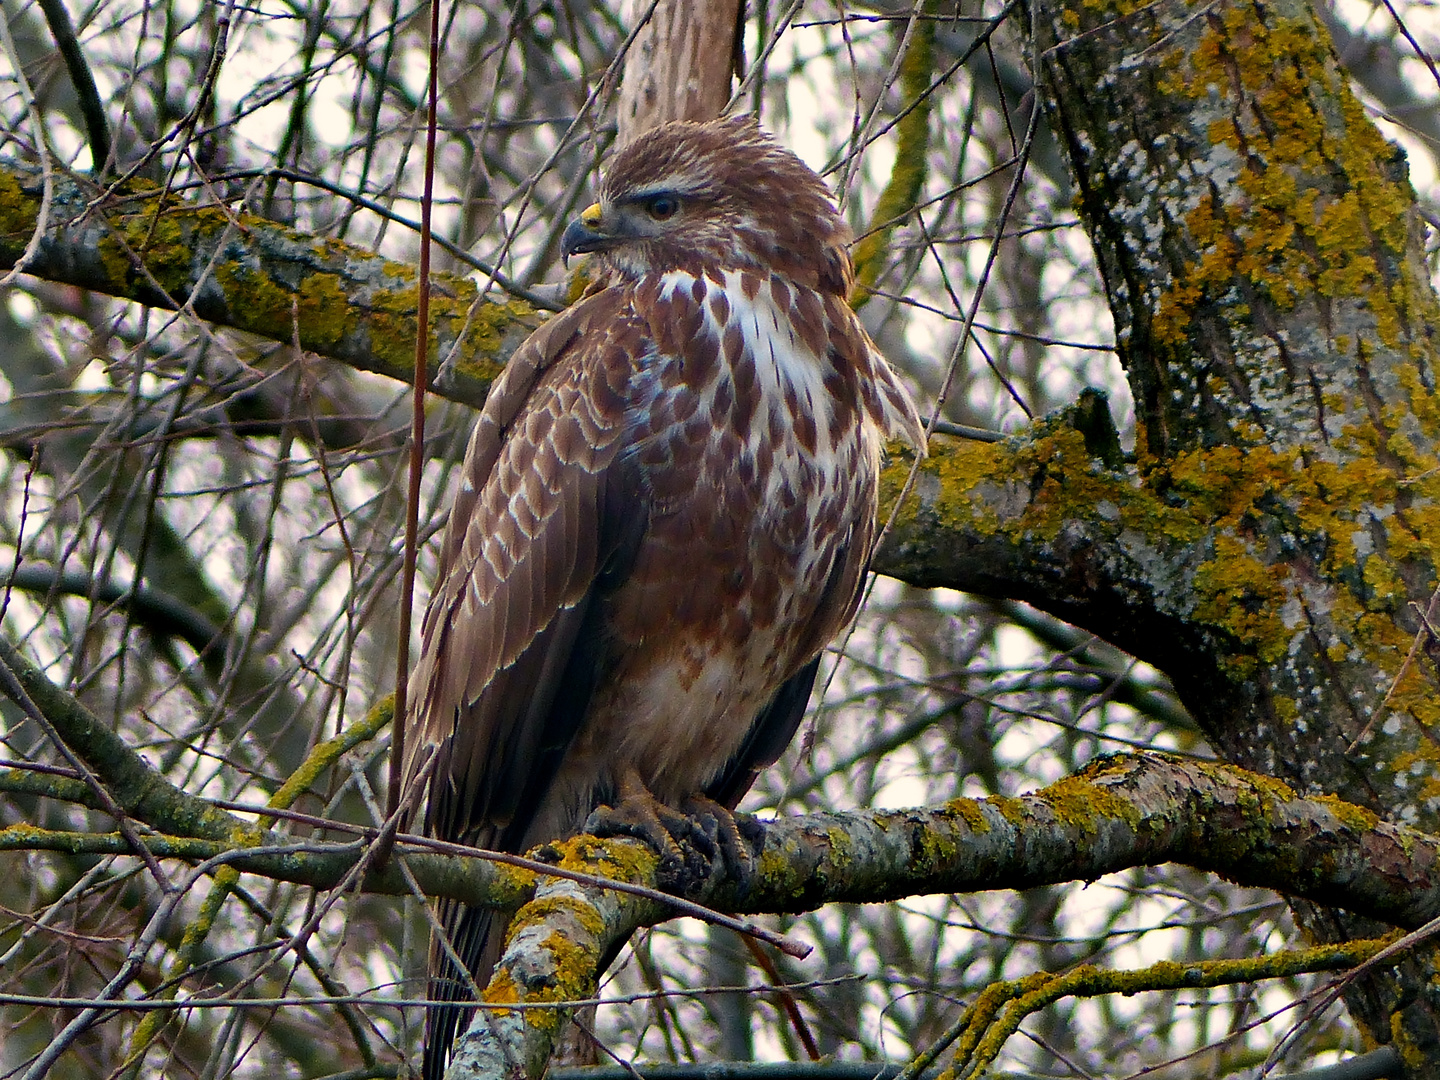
(1118, 813)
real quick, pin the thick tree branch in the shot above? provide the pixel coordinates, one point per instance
(343, 302)
(1124, 811)
(1040, 517)
(1118, 813)
(680, 64)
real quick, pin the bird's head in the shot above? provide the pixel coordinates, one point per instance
(718, 195)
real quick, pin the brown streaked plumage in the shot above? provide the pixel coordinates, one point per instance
(666, 512)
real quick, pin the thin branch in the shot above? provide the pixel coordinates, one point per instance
(417, 447)
(97, 128)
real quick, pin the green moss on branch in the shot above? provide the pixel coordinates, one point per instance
(244, 272)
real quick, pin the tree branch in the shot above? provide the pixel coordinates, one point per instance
(1118, 813)
(97, 129)
(353, 305)
(137, 788)
(1039, 517)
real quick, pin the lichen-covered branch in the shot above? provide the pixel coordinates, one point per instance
(318, 864)
(1118, 813)
(552, 956)
(998, 1011)
(907, 175)
(242, 271)
(1041, 517)
(138, 789)
(190, 828)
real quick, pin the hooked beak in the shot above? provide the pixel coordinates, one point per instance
(583, 234)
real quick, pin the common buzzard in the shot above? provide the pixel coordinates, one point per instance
(665, 514)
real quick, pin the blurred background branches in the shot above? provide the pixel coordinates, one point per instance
(200, 533)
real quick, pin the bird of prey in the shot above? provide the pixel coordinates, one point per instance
(665, 513)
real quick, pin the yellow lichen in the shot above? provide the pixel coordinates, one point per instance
(1081, 804)
(540, 910)
(503, 990)
(968, 811)
(623, 860)
(324, 312)
(18, 211)
(1012, 810)
(1288, 225)
(1348, 814)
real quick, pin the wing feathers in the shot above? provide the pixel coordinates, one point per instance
(526, 540)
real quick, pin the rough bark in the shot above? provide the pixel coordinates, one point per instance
(1262, 255)
(679, 66)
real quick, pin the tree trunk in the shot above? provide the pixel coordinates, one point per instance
(1262, 254)
(679, 65)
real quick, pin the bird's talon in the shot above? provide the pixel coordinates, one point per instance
(643, 819)
(727, 834)
(691, 844)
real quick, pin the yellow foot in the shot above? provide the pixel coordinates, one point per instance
(689, 843)
(728, 832)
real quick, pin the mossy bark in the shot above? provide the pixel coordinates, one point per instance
(1277, 537)
(242, 271)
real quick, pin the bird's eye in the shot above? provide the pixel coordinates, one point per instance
(662, 207)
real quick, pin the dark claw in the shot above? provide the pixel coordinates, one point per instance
(736, 836)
